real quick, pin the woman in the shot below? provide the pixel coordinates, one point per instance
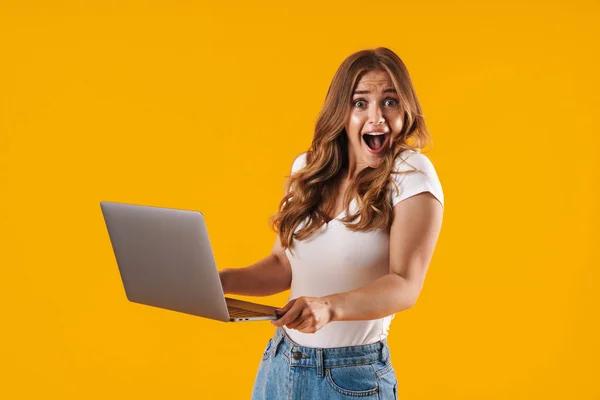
(357, 229)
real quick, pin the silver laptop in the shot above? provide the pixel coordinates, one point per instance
(165, 260)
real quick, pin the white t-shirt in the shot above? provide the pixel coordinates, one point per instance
(335, 259)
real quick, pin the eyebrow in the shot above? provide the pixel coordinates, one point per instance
(388, 90)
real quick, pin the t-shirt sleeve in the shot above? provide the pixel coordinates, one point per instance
(299, 162)
(423, 179)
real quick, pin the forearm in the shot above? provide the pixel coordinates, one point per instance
(266, 277)
(385, 296)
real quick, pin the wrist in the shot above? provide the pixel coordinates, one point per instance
(333, 303)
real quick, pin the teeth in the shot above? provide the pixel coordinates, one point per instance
(375, 133)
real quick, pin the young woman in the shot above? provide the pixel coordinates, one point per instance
(357, 229)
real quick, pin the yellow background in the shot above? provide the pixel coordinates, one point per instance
(203, 105)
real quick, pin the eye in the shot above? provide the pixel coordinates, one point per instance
(394, 102)
(359, 103)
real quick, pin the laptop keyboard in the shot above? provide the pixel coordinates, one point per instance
(238, 312)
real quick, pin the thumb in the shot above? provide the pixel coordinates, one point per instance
(287, 307)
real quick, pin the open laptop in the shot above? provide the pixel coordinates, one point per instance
(166, 260)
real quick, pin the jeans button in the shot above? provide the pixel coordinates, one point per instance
(297, 355)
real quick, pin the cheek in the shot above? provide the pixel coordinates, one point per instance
(396, 125)
(355, 123)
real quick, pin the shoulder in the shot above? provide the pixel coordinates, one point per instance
(414, 161)
(414, 173)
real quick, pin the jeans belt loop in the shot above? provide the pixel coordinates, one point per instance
(320, 363)
(384, 352)
(278, 340)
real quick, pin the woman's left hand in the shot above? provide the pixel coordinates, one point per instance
(305, 314)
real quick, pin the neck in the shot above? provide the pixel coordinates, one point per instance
(353, 169)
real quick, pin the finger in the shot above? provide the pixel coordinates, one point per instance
(289, 316)
(287, 307)
(306, 327)
(306, 320)
(300, 319)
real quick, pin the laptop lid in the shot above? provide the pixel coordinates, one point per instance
(165, 258)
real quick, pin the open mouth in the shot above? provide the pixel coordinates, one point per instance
(376, 141)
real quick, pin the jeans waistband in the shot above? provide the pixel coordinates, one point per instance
(328, 357)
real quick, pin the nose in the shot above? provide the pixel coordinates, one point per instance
(376, 115)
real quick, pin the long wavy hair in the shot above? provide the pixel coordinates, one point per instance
(312, 191)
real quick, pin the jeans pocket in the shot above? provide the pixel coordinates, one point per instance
(382, 368)
(354, 380)
(267, 351)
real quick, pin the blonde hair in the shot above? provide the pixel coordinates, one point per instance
(312, 190)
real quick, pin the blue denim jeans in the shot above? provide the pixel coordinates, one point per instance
(289, 371)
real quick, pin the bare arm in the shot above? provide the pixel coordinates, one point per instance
(271, 275)
(413, 237)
